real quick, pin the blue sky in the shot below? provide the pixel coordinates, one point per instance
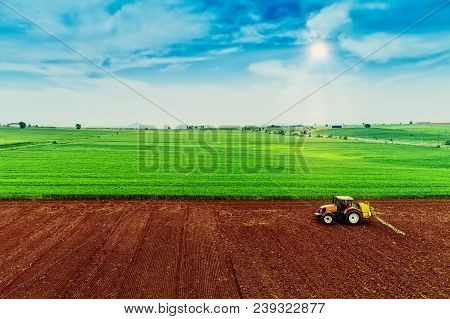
(223, 62)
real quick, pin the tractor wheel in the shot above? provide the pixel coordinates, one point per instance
(328, 218)
(353, 217)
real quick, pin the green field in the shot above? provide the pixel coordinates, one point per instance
(432, 134)
(69, 163)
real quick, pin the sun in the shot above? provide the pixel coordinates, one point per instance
(319, 50)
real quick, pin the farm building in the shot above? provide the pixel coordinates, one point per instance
(336, 126)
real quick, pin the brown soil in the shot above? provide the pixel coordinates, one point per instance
(220, 249)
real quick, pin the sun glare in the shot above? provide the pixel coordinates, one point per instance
(319, 50)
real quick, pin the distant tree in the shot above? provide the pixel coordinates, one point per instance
(29, 125)
(326, 125)
(78, 126)
(410, 122)
(22, 124)
(367, 125)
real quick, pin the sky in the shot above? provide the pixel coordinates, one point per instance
(211, 62)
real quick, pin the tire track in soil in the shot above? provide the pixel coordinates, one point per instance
(91, 255)
(325, 247)
(181, 252)
(300, 277)
(152, 273)
(368, 259)
(403, 271)
(202, 264)
(407, 270)
(227, 250)
(27, 225)
(136, 251)
(46, 249)
(255, 263)
(72, 290)
(355, 274)
(8, 213)
(18, 260)
(268, 264)
(292, 277)
(12, 212)
(99, 278)
(63, 262)
(309, 270)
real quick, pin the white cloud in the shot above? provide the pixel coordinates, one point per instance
(145, 24)
(144, 62)
(254, 33)
(327, 21)
(249, 34)
(405, 46)
(151, 25)
(225, 51)
(137, 35)
(444, 58)
(331, 19)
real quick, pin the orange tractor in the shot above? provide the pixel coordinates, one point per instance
(344, 209)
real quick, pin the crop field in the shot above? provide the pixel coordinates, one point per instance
(69, 163)
(431, 134)
(220, 249)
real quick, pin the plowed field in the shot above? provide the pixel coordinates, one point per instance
(220, 249)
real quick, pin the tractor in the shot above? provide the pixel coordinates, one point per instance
(343, 209)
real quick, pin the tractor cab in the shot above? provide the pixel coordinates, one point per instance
(343, 202)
